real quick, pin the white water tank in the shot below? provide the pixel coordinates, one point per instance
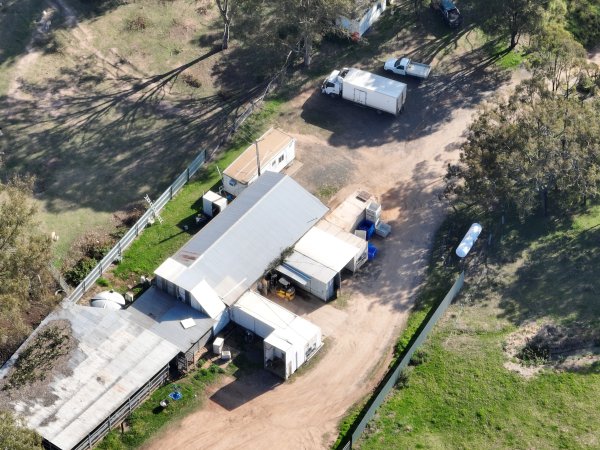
(108, 300)
(469, 239)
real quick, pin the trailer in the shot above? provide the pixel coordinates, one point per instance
(405, 66)
(366, 89)
(272, 152)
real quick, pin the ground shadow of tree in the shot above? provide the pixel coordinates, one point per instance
(104, 148)
(558, 280)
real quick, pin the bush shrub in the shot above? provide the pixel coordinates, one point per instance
(84, 266)
(137, 23)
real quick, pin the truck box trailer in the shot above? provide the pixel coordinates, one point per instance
(366, 89)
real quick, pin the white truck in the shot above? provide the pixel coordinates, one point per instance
(366, 89)
(404, 66)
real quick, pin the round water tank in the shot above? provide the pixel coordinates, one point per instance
(105, 304)
(108, 300)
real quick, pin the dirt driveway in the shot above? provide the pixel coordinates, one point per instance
(401, 161)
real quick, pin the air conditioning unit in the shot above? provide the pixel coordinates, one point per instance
(218, 344)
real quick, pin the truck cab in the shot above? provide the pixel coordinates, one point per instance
(332, 85)
(448, 11)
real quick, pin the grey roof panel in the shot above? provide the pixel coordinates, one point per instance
(162, 314)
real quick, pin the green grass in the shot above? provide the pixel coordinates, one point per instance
(462, 396)
(160, 241)
(146, 420)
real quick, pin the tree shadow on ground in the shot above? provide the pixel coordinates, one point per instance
(429, 105)
(558, 280)
(102, 145)
(403, 255)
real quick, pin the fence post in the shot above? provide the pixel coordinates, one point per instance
(137, 229)
(171, 192)
(187, 171)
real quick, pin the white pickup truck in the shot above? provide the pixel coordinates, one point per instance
(404, 66)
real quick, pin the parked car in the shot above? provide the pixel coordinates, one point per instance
(448, 11)
(405, 66)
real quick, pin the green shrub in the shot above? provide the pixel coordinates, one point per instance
(137, 23)
(103, 282)
(84, 266)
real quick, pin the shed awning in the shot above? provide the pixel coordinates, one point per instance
(284, 269)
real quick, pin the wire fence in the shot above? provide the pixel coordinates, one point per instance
(116, 252)
(391, 378)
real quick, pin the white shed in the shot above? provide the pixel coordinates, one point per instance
(289, 340)
(310, 275)
(213, 203)
(276, 150)
(364, 14)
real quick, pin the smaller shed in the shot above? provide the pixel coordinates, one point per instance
(320, 256)
(276, 150)
(310, 276)
(289, 340)
(351, 211)
(213, 203)
(364, 14)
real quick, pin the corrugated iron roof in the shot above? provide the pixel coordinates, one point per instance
(233, 250)
(114, 358)
(244, 168)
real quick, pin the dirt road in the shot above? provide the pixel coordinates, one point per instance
(401, 161)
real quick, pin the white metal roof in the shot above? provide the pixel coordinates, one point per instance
(344, 235)
(326, 249)
(244, 168)
(370, 81)
(285, 324)
(208, 299)
(299, 266)
(264, 310)
(212, 196)
(235, 248)
(114, 358)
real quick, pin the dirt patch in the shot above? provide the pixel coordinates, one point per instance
(543, 346)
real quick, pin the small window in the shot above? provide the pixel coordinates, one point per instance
(232, 182)
(281, 158)
(329, 84)
(273, 163)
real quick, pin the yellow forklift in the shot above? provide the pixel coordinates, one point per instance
(281, 285)
(285, 290)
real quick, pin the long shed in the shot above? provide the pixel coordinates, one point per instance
(235, 248)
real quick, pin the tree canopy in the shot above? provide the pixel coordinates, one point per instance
(25, 255)
(532, 151)
(15, 436)
(512, 18)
